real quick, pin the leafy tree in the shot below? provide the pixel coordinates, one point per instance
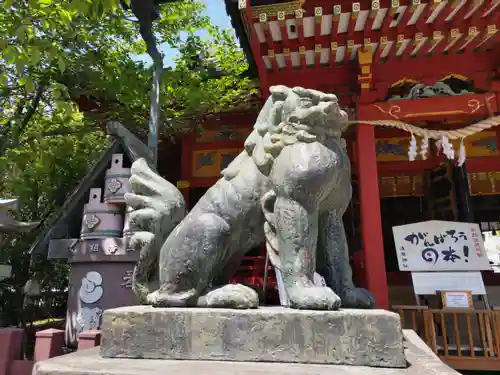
(60, 45)
(53, 53)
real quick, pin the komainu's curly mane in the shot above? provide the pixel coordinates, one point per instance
(285, 120)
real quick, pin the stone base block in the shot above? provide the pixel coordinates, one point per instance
(269, 334)
(421, 361)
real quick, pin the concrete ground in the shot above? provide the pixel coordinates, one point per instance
(421, 361)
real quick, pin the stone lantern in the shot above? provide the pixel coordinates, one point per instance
(9, 225)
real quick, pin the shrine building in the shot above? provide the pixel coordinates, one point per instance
(434, 65)
(431, 64)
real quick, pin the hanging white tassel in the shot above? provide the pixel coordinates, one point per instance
(447, 148)
(424, 147)
(412, 151)
(461, 154)
(439, 146)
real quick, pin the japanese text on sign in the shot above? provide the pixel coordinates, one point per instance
(440, 246)
(127, 279)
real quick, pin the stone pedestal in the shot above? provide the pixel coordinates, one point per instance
(421, 360)
(273, 334)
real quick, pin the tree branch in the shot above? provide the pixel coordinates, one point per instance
(5, 130)
(30, 112)
(16, 131)
(57, 133)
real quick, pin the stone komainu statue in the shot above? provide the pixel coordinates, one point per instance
(289, 187)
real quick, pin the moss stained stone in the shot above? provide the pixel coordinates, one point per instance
(268, 334)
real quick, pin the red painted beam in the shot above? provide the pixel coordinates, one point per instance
(420, 25)
(463, 108)
(477, 22)
(436, 66)
(318, 17)
(405, 18)
(459, 42)
(423, 30)
(371, 222)
(382, 44)
(441, 46)
(284, 39)
(271, 51)
(490, 42)
(486, 27)
(401, 167)
(429, 46)
(478, 13)
(256, 51)
(342, 79)
(336, 39)
(376, 7)
(358, 37)
(351, 23)
(458, 18)
(264, 26)
(439, 21)
(396, 46)
(494, 5)
(299, 19)
(411, 46)
(384, 30)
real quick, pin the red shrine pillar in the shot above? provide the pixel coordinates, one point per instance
(371, 222)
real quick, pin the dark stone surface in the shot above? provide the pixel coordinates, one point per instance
(274, 334)
(421, 361)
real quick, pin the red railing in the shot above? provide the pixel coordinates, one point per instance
(48, 344)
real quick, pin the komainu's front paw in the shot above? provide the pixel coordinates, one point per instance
(357, 298)
(313, 298)
(162, 299)
(231, 296)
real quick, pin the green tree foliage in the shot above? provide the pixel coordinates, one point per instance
(53, 52)
(210, 84)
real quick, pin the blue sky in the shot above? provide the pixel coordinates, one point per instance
(216, 10)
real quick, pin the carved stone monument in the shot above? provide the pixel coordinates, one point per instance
(8, 225)
(289, 187)
(101, 265)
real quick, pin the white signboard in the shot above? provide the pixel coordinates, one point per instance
(5, 271)
(284, 301)
(428, 283)
(492, 245)
(440, 246)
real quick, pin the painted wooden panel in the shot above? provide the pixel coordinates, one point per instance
(209, 163)
(478, 145)
(392, 149)
(400, 186)
(484, 183)
(223, 134)
(436, 109)
(483, 144)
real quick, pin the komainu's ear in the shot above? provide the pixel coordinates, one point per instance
(279, 92)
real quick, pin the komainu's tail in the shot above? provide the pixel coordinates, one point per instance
(157, 207)
(267, 205)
